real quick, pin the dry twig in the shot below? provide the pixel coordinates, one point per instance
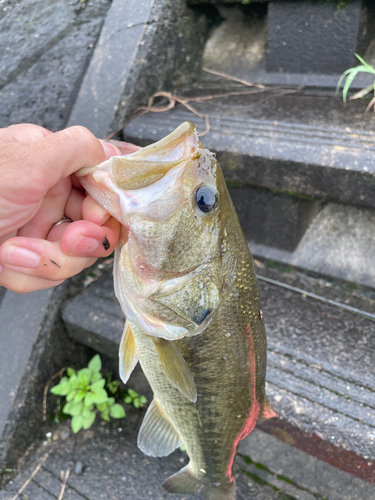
(172, 102)
(35, 471)
(45, 392)
(233, 78)
(63, 486)
(173, 99)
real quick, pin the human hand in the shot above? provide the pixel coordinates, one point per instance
(37, 189)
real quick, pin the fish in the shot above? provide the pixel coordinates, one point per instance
(185, 280)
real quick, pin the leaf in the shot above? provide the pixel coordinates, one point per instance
(98, 385)
(62, 389)
(70, 372)
(86, 412)
(95, 377)
(183, 447)
(361, 60)
(103, 407)
(96, 398)
(71, 395)
(80, 395)
(128, 399)
(73, 408)
(132, 393)
(111, 401)
(74, 382)
(143, 399)
(84, 376)
(117, 411)
(113, 386)
(77, 423)
(89, 420)
(105, 415)
(136, 403)
(95, 364)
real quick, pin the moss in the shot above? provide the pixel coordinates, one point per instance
(271, 264)
(261, 482)
(235, 184)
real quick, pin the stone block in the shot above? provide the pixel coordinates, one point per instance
(316, 37)
(43, 67)
(34, 345)
(144, 47)
(273, 219)
(95, 317)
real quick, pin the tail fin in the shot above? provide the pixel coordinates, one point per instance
(185, 482)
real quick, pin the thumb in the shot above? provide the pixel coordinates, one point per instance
(58, 155)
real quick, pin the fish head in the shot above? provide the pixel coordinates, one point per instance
(172, 197)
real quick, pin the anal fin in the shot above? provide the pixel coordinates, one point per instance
(185, 482)
(127, 353)
(175, 367)
(157, 437)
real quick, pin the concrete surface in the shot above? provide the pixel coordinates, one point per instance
(145, 46)
(340, 242)
(46, 48)
(114, 468)
(34, 345)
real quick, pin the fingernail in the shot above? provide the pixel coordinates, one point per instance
(85, 245)
(20, 257)
(110, 150)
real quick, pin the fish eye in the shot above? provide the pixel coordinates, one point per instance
(205, 198)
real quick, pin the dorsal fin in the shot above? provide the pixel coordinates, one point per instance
(127, 353)
(157, 437)
(175, 367)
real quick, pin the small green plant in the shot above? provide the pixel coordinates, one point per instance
(131, 397)
(86, 394)
(350, 74)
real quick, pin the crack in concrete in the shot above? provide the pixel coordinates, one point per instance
(128, 27)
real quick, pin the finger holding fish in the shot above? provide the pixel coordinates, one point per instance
(33, 262)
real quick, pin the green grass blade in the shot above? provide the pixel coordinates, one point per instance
(341, 79)
(361, 60)
(348, 82)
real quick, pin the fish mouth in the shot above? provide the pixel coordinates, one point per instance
(145, 181)
(148, 165)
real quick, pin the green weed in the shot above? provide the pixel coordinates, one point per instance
(350, 74)
(87, 393)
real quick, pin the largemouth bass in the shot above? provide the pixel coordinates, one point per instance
(185, 280)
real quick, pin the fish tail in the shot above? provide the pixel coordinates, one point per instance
(185, 482)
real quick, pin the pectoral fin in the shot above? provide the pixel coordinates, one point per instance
(157, 437)
(175, 368)
(127, 353)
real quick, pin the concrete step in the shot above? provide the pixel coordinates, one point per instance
(114, 469)
(321, 346)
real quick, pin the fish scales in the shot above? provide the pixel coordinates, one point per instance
(184, 277)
